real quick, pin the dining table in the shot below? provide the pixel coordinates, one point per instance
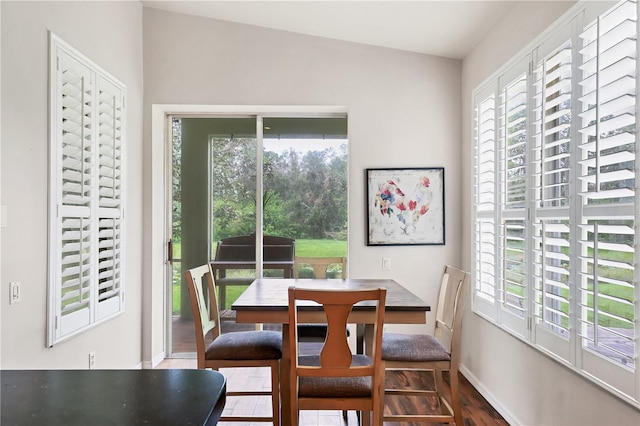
(265, 301)
(111, 397)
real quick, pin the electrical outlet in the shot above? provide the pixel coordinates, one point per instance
(14, 292)
(92, 359)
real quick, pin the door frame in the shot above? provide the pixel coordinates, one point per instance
(157, 201)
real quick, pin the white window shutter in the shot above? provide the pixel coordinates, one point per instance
(558, 248)
(484, 229)
(110, 162)
(551, 192)
(607, 278)
(86, 232)
(74, 181)
(512, 167)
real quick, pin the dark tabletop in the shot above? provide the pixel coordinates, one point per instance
(272, 293)
(111, 397)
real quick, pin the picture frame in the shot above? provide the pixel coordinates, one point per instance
(405, 206)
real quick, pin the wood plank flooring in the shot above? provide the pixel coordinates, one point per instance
(475, 409)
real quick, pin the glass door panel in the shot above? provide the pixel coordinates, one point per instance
(214, 187)
(305, 186)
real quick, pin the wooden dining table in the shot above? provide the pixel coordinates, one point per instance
(266, 302)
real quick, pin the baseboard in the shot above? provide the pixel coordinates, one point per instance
(486, 394)
(154, 362)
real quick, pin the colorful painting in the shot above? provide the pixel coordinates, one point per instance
(405, 206)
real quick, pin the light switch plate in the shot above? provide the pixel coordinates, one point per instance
(14, 292)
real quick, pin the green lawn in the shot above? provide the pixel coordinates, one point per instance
(307, 248)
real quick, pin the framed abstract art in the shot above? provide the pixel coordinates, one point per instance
(405, 206)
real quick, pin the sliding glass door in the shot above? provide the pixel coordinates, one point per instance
(218, 166)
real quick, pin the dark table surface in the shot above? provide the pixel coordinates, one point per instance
(272, 294)
(111, 397)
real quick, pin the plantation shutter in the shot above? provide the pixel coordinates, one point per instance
(607, 153)
(87, 112)
(484, 233)
(110, 106)
(564, 169)
(74, 168)
(551, 191)
(512, 168)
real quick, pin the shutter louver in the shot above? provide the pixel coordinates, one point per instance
(607, 177)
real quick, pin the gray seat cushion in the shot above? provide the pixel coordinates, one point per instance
(246, 345)
(413, 348)
(334, 387)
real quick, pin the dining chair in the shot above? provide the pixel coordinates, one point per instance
(258, 348)
(320, 265)
(317, 333)
(336, 378)
(437, 353)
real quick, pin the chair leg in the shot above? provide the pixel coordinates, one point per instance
(275, 392)
(383, 384)
(439, 389)
(455, 398)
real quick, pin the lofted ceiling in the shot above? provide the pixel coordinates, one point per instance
(448, 28)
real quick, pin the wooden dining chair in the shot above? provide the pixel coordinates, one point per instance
(336, 378)
(235, 349)
(437, 353)
(320, 265)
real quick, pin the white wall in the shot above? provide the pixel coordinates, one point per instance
(109, 33)
(530, 387)
(403, 109)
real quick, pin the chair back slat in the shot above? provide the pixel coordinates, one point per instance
(204, 305)
(336, 352)
(450, 305)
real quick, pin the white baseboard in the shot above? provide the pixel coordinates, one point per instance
(486, 394)
(154, 362)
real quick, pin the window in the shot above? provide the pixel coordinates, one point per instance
(86, 193)
(555, 209)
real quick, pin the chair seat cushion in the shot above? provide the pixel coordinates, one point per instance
(334, 387)
(246, 345)
(413, 348)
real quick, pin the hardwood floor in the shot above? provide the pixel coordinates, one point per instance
(475, 409)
